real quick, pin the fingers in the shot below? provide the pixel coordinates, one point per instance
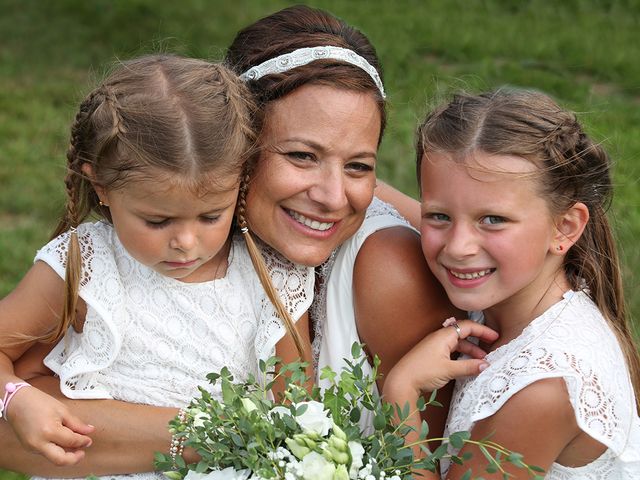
(76, 425)
(59, 456)
(466, 368)
(471, 349)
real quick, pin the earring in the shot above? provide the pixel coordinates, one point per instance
(102, 204)
(559, 248)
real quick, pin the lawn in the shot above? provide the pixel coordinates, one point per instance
(584, 53)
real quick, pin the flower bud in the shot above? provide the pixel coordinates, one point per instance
(338, 432)
(341, 473)
(296, 448)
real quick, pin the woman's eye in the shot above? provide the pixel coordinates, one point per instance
(360, 167)
(493, 220)
(300, 156)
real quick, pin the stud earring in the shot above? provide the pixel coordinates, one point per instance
(102, 204)
(559, 248)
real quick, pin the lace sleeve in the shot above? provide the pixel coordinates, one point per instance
(294, 284)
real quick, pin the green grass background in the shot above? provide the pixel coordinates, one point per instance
(584, 53)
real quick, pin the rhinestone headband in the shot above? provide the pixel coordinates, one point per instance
(303, 56)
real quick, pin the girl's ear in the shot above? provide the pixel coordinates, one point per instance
(569, 228)
(87, 170)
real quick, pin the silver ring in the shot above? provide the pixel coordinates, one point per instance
(451, 322)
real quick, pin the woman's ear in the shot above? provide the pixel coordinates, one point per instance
(569, 228)
(87, 170)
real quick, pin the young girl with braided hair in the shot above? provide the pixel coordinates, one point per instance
(159, 291)
(514, 198)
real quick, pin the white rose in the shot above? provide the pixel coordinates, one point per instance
(357, 452)
(280, 410)
(228, 473)
(315, 419)
(316, 467)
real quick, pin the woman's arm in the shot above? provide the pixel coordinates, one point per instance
(408, 207)
(398, 302)
(126, 437)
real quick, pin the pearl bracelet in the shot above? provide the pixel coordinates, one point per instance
(176, 447)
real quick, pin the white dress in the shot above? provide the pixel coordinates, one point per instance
(332, 311)
(572, 341)
(151, 339)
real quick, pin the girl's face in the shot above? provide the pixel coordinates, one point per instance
(316, 173)
(487, 235)
(172, 230)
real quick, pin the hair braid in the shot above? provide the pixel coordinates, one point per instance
(259, 264)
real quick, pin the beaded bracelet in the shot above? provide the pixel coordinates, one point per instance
(176, 447)
(10, 389)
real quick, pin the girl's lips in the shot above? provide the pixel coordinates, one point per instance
(468, 278)
(181, 264)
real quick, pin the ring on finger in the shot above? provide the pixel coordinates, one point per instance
(451, 322)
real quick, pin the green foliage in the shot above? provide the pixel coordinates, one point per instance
(247, 430)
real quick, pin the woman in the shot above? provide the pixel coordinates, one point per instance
(309, 198)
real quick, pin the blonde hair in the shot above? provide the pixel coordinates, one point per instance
(572, 169)
(184, 116)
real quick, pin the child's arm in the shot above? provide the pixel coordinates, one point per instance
(428, 366)
(125, 438)
(538, 422)
(41, 423)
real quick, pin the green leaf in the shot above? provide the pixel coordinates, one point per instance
(379, 422)
(356, 350)
(457, 439)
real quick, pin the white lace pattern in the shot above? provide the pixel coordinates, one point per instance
(150, 339)
(571, 340)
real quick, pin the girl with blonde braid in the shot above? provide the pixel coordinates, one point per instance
(159, 291)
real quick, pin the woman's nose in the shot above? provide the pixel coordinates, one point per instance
(329, 190)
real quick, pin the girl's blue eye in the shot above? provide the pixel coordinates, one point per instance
(440, 217)
(493, 220)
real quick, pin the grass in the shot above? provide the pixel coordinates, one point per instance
(584, 53)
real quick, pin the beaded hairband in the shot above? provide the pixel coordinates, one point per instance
(303, 56)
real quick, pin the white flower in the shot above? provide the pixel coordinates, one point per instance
(228, 473)
(316, 467)
(199, 417)
(315, 419)
(280, 410)
(357, 452)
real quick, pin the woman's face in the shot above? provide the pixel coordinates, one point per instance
(316, 173)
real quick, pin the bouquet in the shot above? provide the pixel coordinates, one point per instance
(309, 435)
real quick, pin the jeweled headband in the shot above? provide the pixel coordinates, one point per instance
(302, 56)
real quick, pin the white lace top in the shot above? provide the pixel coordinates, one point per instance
(151, 339)
(332, 311)
(570, 340)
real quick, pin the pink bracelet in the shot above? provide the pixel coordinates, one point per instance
(10, 389)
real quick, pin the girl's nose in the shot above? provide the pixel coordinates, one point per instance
(461, 242)
(183, 239)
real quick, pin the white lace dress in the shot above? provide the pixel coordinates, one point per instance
(571, 340)
(151, 339)
(332, 310)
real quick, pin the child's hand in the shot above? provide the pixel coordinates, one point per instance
(45, 426)
(428, 366)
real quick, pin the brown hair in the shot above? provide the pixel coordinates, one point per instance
(283, 32)
(572, 168)
(299, 27)
(184, 116)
